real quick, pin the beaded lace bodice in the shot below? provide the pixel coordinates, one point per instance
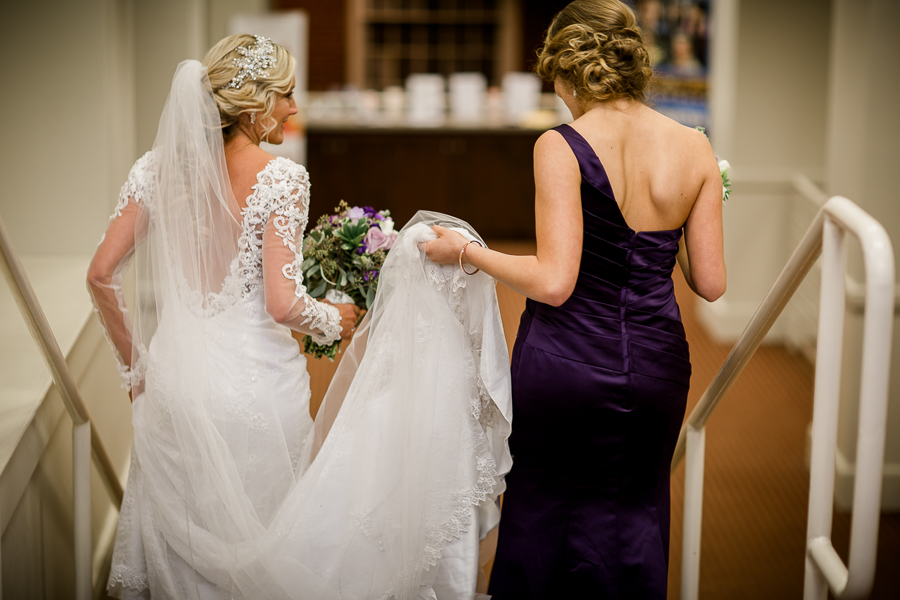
(280, 198)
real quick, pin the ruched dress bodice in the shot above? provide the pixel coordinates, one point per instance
(623, 312)
(599, 390)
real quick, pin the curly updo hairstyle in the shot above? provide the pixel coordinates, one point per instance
(596, 46)
(254, 96)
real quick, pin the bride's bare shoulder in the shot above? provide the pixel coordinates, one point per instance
(247, 165)
(246, 168)
(258, 159)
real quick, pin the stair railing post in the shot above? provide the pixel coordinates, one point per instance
(81, 502)
(825, 409)
(873, 407)
(1, 571)
(695, 460)
(824, 566)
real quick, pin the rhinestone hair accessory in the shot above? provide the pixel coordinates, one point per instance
(253, 62)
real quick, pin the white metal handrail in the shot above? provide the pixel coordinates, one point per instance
(84, 435)
(824, 568)
(855, 291)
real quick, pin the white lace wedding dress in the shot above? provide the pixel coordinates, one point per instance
(234, 492)
(257, 416)
(222, 501)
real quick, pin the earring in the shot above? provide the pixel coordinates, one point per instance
(253, 118)
(574, 95)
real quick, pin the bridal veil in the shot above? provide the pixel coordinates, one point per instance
(410, 445)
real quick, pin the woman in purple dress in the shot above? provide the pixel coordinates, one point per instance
(600, 367)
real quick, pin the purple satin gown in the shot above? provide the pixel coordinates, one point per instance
(599, 390)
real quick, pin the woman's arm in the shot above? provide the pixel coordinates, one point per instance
(701, 254)
(104, 281)
(286, 298)
(282, 256)
(550, 275)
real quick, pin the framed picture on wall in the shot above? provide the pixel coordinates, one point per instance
(676, 33)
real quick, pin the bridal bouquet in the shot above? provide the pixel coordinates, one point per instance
(343, 255)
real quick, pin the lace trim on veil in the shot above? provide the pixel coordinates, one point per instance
(481, 442)
(482, 408)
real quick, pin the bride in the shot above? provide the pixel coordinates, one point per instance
(233, 491)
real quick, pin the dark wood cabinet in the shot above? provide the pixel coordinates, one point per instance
(484, 176)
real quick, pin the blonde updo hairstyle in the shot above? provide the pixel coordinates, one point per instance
(254, 96)
(596, 47)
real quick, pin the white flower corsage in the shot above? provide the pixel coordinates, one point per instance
(724, 165)
(726, 183)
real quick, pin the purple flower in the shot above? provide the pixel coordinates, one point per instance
(369, 211)
(376, 239)
(355, 213)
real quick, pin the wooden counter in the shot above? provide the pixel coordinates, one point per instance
(484, 176)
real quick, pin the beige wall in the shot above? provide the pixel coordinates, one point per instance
(220, 11)
(863, 130)
(806, 87)
(171, 31)
(863, 122)
(57, 112)
(782, 81)
(81, 102)
(768, 104)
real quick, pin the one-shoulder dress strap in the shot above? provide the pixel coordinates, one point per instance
(591, 168)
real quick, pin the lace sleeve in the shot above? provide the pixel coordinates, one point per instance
(139, 185)
(105, 273)
(286, 186)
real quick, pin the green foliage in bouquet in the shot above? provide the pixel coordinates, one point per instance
(344, 252)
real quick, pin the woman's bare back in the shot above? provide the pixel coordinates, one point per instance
(656, 167)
